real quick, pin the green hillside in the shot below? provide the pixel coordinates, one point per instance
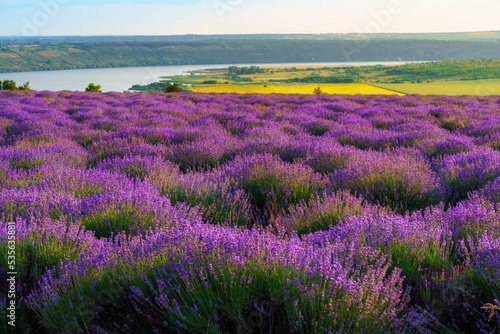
(42, 57)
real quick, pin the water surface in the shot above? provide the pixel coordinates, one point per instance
(122, 78)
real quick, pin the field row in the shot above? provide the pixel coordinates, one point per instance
(177, 213)
(473, 87)
(349, 89)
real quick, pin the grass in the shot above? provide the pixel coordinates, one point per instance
(466, 87)
(349, 89)
(270, 73)
(273, 79)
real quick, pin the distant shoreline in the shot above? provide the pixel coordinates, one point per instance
(115, 79)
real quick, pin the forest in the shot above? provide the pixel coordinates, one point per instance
(64, 56)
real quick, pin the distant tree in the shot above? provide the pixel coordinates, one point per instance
(26, 86)
(93, 88)
(173, 88)
(318, 91)
(232, 70)
(9, 85)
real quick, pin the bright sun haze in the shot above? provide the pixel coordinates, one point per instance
(110, 17)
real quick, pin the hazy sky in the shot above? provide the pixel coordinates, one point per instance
(169, 17)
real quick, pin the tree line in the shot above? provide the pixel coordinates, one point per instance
(235, 70)
(126, 54)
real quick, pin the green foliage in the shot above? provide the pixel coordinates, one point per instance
(173, 88)
(235, 70)
(237, 78)
(122, 54)
(152, 87)
(11, 85)
(26, 86)
(318, 91)
(330, 79)
(470, 69)
(93, 88)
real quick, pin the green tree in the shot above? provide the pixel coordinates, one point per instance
(26, 86)
(93, 88)
(173, 88)
(318, 91)
(9, 85)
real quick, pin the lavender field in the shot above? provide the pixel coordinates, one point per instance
(197, 213)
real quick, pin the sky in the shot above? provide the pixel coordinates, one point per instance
(179, 17)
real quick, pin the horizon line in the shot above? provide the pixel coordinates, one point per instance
(270, 33)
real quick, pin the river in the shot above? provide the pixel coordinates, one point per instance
(122, 78)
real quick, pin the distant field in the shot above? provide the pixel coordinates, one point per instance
(472, 87)
(349, 89)
(459, 77)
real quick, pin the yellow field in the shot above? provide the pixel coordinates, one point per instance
(466, 87)
(482, 34)
(349, 89)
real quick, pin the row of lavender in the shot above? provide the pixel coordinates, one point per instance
(234, 213)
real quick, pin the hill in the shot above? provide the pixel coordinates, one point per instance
(43, 57)
(453, 36)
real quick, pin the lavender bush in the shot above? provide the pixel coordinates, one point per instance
(399, 179)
